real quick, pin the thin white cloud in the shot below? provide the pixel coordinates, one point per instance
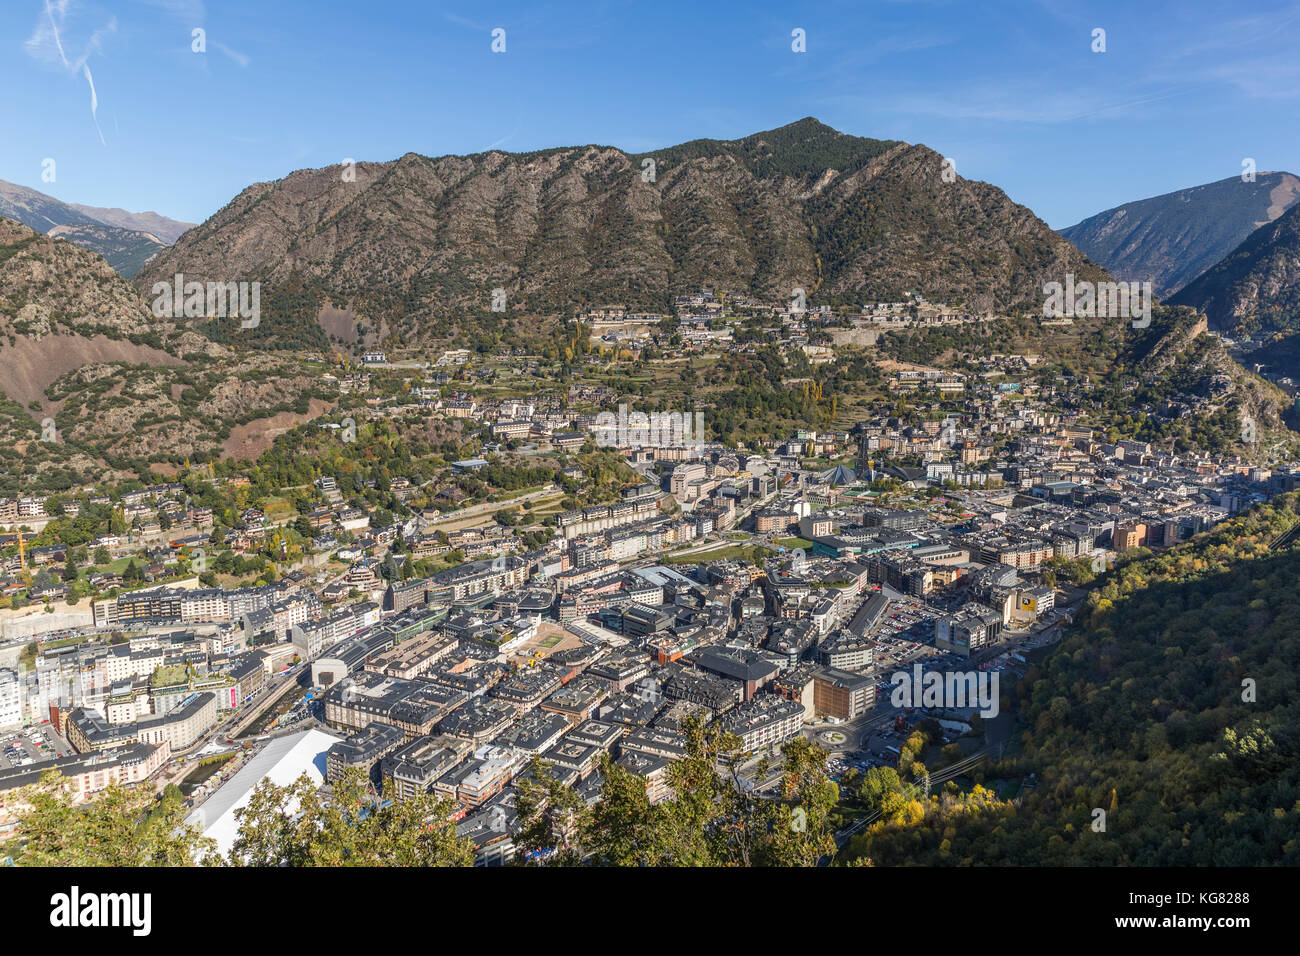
(1241, 32)
(1255, 56)
(194, 13)
(189, 10)
(94, 102)
(464, 22)
(49, 30)
(46, 45)
(1001, 105)
(233, 54)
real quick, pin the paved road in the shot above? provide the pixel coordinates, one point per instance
(262, 706)
(173, 772)
(493, 506)
(711, 542)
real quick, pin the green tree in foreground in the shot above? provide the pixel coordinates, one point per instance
(710, 818)
(553, 818)
(120, 828)
(296, 825)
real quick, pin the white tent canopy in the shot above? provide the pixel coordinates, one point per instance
(282, 762)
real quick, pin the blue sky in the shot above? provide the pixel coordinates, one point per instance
(1011, 90)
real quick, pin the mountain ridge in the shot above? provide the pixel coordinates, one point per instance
(165, 229)
(1173, 238)
(117, 235)
(1254, 290)
(417, 244)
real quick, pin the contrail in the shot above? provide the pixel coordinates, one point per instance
(54, 28)
(94, 103)
(81, 63)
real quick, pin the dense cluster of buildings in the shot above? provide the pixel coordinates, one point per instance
(598, 644)
(708, 319)
(125, 708)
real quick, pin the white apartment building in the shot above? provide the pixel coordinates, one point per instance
(11, 699)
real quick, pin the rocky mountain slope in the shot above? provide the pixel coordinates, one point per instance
(126, 240)
(167, 230)
(1203, 370)
(1176, 386)
(1172, 239)
(1255, 290)
(416, 246)
(80, 348)
(48, 286)
(124, 250)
